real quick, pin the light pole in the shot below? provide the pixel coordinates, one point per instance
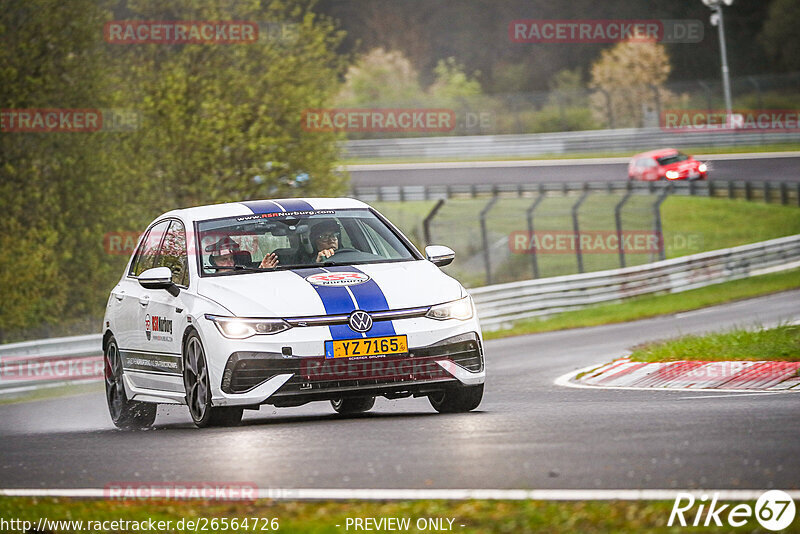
(716, 20)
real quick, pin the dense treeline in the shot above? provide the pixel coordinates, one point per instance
(214, 123)
(762, 36)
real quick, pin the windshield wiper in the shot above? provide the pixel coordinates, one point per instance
(241, 268)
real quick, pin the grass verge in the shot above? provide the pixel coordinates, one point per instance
(773, 344)
(480, 516)
(654, 305)
(781, 147)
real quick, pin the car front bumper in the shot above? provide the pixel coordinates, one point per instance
(255, 377)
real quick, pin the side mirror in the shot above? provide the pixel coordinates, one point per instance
(159, 278)
(439, 255)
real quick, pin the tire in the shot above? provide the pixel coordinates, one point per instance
(198, 389)
(125, 414)
(457, 399)
(353, 405)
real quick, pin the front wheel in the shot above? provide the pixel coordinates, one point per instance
(353, 405)
(457, 399)
(126, 414)
(198, 389)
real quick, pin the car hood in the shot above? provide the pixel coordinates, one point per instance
(682, 166)
(406, 284)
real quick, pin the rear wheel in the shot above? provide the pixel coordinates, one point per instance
(124, 413)
(198, 389)
(353, 405)
(457, 399)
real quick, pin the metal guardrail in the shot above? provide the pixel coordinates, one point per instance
(769, 191)
(502, 304)
(50, 362)
(497, 304)
(616, 140)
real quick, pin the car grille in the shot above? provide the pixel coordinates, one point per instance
(246, 370)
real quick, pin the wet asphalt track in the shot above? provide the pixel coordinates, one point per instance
(527, 433)
(755, 169)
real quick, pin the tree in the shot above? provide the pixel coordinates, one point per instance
(632, 74)
(779, 36)
(380, 76)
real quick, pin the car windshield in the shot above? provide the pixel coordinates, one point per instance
(672, 158)
(276, 241)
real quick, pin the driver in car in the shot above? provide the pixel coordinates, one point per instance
(223, 254)
(325, 238)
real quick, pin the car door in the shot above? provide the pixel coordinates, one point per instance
(159, 359)
(127, 328)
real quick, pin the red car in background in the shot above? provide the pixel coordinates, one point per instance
(666, 164)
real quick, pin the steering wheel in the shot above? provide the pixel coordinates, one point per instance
(344, 250)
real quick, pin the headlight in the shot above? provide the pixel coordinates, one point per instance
(237, 328)
(458, 309)
(671, 175)
(702, 167)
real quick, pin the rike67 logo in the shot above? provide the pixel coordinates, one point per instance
(157, 324)
(774, 510)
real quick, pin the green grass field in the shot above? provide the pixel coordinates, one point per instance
(478, 516)
(773, 344)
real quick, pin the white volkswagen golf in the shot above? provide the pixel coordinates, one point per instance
(284, 302)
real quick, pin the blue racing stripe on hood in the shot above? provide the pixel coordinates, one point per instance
(370, 298)
(337, 300)
(262, 206)
(293, 204)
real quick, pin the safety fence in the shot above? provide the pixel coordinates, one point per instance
(502, 304)
(507, 233)
(781, 192)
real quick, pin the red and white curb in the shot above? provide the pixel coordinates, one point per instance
(689, 375)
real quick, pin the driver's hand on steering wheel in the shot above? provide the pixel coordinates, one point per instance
(322, 255)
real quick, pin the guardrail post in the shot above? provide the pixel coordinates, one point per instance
(485, 239)
(748, 191)
(380, 193)
(657, 219)
(576, 228)
(784, 194)
(767, 194)
(426, 223)
(731, 192)
(618, 222)
(529, 217)
(691, 188)
(711, 188)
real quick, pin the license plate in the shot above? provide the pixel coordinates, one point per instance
(368, 346)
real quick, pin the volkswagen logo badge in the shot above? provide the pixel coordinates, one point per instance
(360, 321)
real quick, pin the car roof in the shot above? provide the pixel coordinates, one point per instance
(251, 207)
(657, 153)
